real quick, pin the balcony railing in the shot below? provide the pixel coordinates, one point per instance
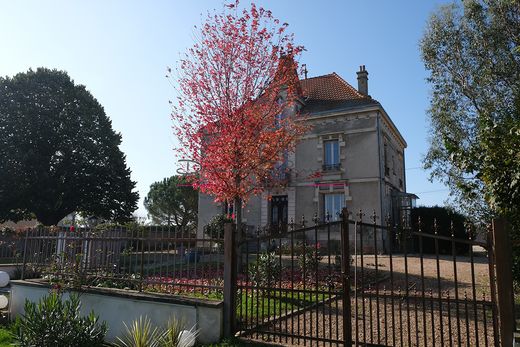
(331, 167)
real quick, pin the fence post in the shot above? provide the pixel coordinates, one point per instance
(142, 263)
(504, 278)
(230, 279)
(24, 261)
(345, 277)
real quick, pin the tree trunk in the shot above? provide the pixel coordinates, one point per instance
(238, 214)
(237, 205)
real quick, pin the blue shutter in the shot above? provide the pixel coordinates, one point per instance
(335, 152)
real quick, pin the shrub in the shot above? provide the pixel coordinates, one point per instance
(266, 270)
(142, 334)
(57, 322)
(309, 260)
(175, 335)
(444, 218)
(215, 228)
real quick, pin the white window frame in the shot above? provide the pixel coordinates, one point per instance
(335, 211)
(335, 160)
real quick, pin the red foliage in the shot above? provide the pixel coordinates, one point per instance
(235, 113)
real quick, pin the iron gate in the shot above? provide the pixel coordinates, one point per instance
(354, 282)
(290, 287)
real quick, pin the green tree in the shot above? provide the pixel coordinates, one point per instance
(472, 54)
(172, 201)
(59, 152)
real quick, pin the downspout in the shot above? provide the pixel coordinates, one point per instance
(381, 178)
(404, 171)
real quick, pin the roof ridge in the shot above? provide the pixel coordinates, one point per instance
(320, 76)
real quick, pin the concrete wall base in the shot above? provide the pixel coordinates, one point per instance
(123, 306)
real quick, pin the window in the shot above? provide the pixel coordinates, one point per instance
(281, 168)
(331, 155)
(333, 205)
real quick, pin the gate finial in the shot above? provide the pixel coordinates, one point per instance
(315, 218)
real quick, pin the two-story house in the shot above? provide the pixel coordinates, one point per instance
(353, 156)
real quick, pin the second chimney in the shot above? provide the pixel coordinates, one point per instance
(362, 78)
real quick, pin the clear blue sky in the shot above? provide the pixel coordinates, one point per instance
(120, 51)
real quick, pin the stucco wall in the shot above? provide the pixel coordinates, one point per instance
(117, 308)
(361, 134)
(207, 209)
(362, 160)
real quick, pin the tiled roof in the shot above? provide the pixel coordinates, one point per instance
(329, 92)
(328, 87)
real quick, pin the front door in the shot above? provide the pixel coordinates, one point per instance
(278, 212)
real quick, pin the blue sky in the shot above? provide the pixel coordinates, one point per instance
(120, 51)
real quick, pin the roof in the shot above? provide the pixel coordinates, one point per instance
(332, 93)
(329, 92)
(329, 87)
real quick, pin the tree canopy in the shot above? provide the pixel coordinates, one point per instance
(172, 201)
(472, 53)
(234, 87)
(59, 152)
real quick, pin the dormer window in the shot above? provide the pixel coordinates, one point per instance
(331, 148)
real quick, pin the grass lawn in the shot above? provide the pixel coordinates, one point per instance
(6, 338)
(267, 304)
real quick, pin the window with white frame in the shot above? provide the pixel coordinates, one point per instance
(331, 148)
(333, 204)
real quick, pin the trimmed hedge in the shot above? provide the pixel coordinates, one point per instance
(444, 218)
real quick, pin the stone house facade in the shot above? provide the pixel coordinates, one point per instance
(353, 156)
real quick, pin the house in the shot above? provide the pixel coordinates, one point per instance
(353, 156)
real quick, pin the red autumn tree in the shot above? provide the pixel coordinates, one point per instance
(237, 94)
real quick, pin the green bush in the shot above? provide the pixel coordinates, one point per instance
(266, 270)
(54, 321)
(215, 228)
(309, 260)
(444, 218)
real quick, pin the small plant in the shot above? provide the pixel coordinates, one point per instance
(175, 335)
(140, 334)
(266, 270)
(57, 322)
(143, 334)
(309, 260)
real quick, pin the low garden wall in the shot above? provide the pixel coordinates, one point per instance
(116, 306)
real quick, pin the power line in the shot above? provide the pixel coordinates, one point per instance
(433, 191)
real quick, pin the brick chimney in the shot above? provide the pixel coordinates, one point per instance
(362, 78)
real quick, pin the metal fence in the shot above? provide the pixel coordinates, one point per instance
(11, 247)
(155, 259)
(322, 283)
(355, 282)
(290, 287)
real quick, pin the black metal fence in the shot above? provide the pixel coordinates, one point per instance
(314, 283)
(344, 283)
(414, 299)
(155, 259)
(290, 286)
